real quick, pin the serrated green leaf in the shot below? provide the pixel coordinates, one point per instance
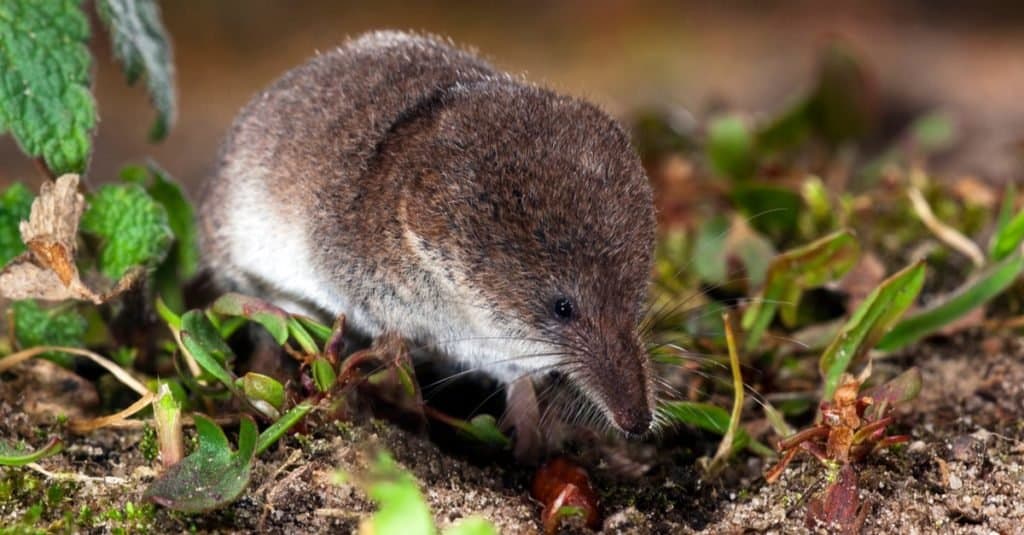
(132, 228)
(213, 475)
(875, 316)
(142, 47)
(974, 293)
(44, 81)
(56, 326)
(15, 207)
(13, 455)
(794, 271)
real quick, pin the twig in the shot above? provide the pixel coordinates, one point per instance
(949, 235)
(120, 373)
(80, 478)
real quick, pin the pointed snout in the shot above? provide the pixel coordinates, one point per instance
(633, 420)
(627, 390)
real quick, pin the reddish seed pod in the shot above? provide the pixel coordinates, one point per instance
(559, 484)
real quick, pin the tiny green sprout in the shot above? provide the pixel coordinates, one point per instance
(167, 418)
(323, 374)
(263, 390)
(271, 317)
(213, 475)
(302, 337)
(401, 509)
(277, 430)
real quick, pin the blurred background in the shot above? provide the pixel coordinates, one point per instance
(966, 58)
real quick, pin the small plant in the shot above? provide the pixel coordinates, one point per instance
(852, 425)
(401, 508)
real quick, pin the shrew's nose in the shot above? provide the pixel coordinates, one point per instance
(635, 421)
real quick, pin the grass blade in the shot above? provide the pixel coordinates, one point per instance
(976, 292)
(875, 316)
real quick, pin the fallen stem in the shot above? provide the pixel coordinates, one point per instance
(120, 373)
(725, 447)
(949, 235)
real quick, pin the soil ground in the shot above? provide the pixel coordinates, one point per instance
(962, 472)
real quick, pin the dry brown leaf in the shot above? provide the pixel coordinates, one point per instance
(23, 278)
(48, 270)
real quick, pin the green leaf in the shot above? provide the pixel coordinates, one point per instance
(974, 293)
(318, 330)
(56, 326)
(302, 337)
(401, 508)
(1009, 237)
(142, 47)
(213, 475)
(711, 418)
(473, 525)
(257, 386)
(1003, 219)
(484, 429)
(13, 455)
(730, 148)
(794, 271)
(323, 374)
(709, 252)
(15, 207)
(180, 217)
(44, 81)
(204, 343)
(875, 316)
(132, 228)
(273, 433)
(172, 319)
(272, 318)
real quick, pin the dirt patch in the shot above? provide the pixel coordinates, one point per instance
(962, 472)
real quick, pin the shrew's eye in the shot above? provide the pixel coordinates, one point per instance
(564, 309)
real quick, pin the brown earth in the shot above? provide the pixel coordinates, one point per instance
(962, 472)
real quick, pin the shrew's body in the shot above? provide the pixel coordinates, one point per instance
(417, 190)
